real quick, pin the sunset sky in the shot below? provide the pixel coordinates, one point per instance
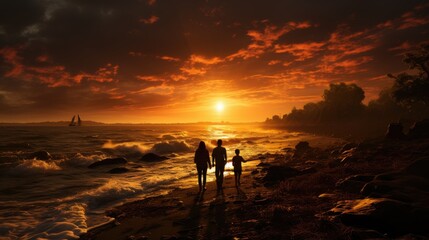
(188, 60)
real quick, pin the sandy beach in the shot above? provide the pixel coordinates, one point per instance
(183, 213)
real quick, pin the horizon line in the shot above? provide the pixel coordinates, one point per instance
(135, 123)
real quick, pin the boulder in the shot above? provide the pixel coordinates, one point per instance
(353, 184)
(409, 185)
(382, 214)
(394, 131)
(40, 155)
(302, 146)
(108, 161)
(420, 129)
(418, 168)
(347, 146)
(152, 157)
(118, 170)
(278, 173)
(361, 234)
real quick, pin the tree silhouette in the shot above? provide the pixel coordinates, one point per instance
(409, 88)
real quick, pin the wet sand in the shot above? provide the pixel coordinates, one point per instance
(183, 213)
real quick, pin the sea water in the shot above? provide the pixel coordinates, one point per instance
(61, 198)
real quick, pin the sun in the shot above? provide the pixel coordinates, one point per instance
(219, 106)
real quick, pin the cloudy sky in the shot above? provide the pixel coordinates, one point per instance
(174, 60)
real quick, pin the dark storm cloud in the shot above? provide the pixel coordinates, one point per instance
(100, 55)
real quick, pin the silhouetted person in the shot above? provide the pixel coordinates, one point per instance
(219, 157)
(236, 162)
(202, 159)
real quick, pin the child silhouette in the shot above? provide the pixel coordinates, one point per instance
(236, 162)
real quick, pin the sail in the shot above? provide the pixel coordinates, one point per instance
(79, 122)
(72, 123)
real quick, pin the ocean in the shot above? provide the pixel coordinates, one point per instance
(61, 198)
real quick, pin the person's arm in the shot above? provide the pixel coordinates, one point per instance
(213, 158)
(208, 159)
(243, 159)
(226, 159)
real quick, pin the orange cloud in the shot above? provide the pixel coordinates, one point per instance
(206, 61)
(408, 20)
(11, 57)
(169, 58)
(151, 20)
(262, 41)
(53, 76)
(193, 70)
(301, 51)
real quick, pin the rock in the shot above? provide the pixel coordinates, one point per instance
(334, 163)
(418, 168)
(327, 195)
(152, 157)
(382, 214)
(118, 170)
(347, 146)
(359, 234)
(420, 129)
(108, 161)
(409, 185)
(394, 131)
(278, 173)
(348, 156)
(353, 184)
(398, 186)
(302, 146)
(263, 164)
(308, 170)
(40, 155)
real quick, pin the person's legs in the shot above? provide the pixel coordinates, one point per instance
(217, 174)
(238, 177)
(235, 178)
(200, 171)
(204, 178)
(221, 170)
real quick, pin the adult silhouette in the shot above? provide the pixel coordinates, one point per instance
(219, 157)
(202, 160)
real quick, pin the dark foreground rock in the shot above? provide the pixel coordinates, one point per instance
(420, 129)
(118, 170)
(383, 214)
(152, 157)
(395, 131)
(108, 161)
(395, 202)
(279, 173)
(40, 155)
(353, 184)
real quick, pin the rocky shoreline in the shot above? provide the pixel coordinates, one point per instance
(375, 189)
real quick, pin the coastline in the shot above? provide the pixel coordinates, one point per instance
(305, 193)
(180, 213)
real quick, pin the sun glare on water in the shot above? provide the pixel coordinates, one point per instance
(219, 107)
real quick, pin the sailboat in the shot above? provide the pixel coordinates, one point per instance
(73, 123)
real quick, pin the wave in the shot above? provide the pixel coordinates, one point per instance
(126, 149)
(171, 147)
(65, 221)
(80, 160)
(36, 166)
(111, 191)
